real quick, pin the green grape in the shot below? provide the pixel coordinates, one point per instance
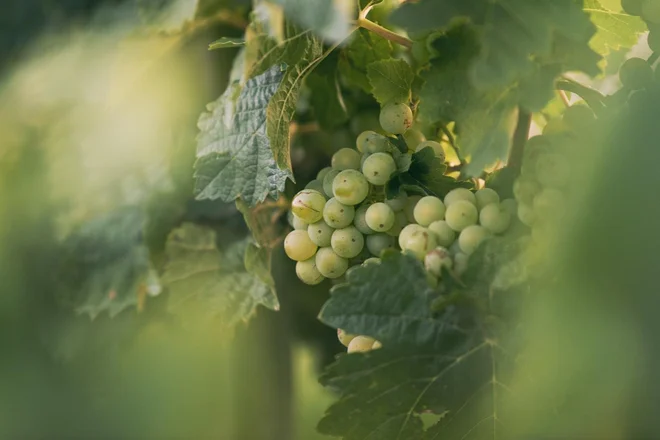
(372, 260)
(337, 215)
(632, 7)
(308, 273)
(495, 217)
(420, 243)
(526, 214)
(296, 222)
(577, 116)
(378, 168)
(344, 338)
(360, 344)
(409, 210)
(324, 172)
(636, 74)
(548, 203)
(316, 185)
(471, 237)
(396, 118)
(320, 233)
(298, 246)
(486, 196)
(360, 220)
(376, 345)
(552, 170)
(651, 11)
(428, 210)
(436, 259)
(511, 206)
(461, 214)
(380, 217)
(370, 142)
(460, 194)
(328, 180)
(654, 40)
(460, 263)
(400, 222)
(350, 187)
(377, 243)
(413, 138)
(346, 159)
(308, 205)
(555, 126)
(347, 242)
(437, 149)
(398, 203)
(408, 232)
(525, 189)
(444, 235)
(330, 264)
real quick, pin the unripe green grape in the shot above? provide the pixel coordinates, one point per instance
(420, 243)
(525, 190)
(396, 118)
(337, 215)
(654, 40)
(328, 181)
(436, 259)
(458, 194)
(330, 264)
(308, 205)
(526, 214)
(651, 11)
(372, 260)
(548, 203)
(632, 7)
(408, 232)
(360, 220)
(346, 159)
(428, 210)
(577, 116)
(370, 142)
(398, 203)
(437, 149)
(552, 170)
(316, 185)
(409, 210)
(360, 344)
(320, 233)
(495, 217)
(511, 206)
(308, 273)
(296, 222)
(413, 138)
(378, 168)
(636, 73)
(376, 345)
(380, 217)
(486, 196)
(460, 263)
(555, 126)
(298, 246)
(444, 235)
(347, 242)
(344, 338)
(324, 172)
(377, 243)
(471, 237)
(350, 187)
(400, 222)
(461, 214)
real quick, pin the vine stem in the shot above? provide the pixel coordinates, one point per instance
(377, 29)
(519, 140)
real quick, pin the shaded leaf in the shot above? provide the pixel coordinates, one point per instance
(363, 49)
(264, 220)
(391, 80)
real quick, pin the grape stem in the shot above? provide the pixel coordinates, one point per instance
(592, 97)
(377, 29)
(519, 140)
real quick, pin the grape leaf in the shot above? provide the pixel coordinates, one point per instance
(614, 29)
(363, 49)
(206, 282)
(105, 262)
(326, 99)
(390, 80)
(327, 18)
(234, 158)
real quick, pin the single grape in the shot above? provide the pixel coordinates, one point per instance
(555, 126)
(486, 196)
(346, 159)
(377, 243)
(316, 185)
(308, 205)
(444, 235)
(461, 214)
(632, 7)
(420, 243)
(409, 210)
(495, 217)
(347, 242)
(408, 232)
(360, 344)
(552, 170)
(437, 149)
(337, 215)
(428, 210)
(378, 168)
(413, 138)
(398, 203)
(396, 118)
(400, 222)
(548, 203)
(636, 74)
(654, 39)
(296, 222)
(576, 117)
(350, 187)
(436, 259)
(330, 264)
(460, 263)
(328, 180)
(308, 273)
(298, 246)
(376, 345)
(525, 189)
(526, 214)
(370, 142)
(320, 233)
(511, 206)
(651, 11)
(460, 194)
(344, 338)
(324, 172)
(380, 217)
(471, 237)
(372, 260)
(360, 220)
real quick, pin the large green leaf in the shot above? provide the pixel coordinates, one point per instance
(391, 80)
(234, 157)
(363, 49)
(205, 282)
(615, 29)
(330, 19)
